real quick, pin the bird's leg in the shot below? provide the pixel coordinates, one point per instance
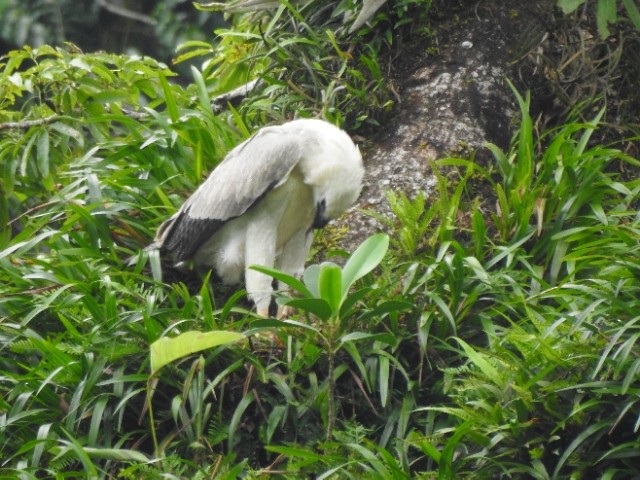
(291, 261)
(260, 250)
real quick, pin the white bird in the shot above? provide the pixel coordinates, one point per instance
(260, 205)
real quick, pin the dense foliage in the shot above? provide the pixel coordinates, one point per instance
(145, 27)
(496, 336)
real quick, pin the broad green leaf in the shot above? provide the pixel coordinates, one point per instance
(480, 273)
(330, 285)
(311, 277)
(632, 374)
(557, 260)
(316, 306)
(96, 420)
(366, 257)
(428, 449)
(191, 54)
(166, 349)
(43, 433)
(372, 460)
(285, 278)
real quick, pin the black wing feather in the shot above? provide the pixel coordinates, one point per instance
(248, 173)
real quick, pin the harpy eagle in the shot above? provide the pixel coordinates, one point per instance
(260, 205)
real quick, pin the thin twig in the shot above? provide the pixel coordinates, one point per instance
(33, 291)
(126, 13)
(28, 123)
(33, 209)
(133, 114)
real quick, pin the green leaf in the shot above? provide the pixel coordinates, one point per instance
(633, 12)
(170, 100)
(386, 307)
(68, 131)
(386, 338)
(311, 277)
(193, 44)
(294, 452)
(244, 403)
(366, 257)
(166, 350)
(316, 306)
(480, 361)
(351, 300)
(445, 465)
(383, 379)
(210, 7)
(259, 325)
(579, 439)
(606, 13)
(117, 454)
(569, 6)
(275, 418)
(285, 278)
(203, 94)
(330, 285)
(42, 153)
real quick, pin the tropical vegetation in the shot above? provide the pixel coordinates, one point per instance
(492, 330)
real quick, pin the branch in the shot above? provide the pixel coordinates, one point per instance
(235, 95)
(25, 124)
(132, 113)
(126, 13)
(29, 123)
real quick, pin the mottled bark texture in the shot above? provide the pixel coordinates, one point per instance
(453, 99)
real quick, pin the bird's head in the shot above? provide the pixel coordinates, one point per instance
(338, 190)
(332, 202)
(332, 165)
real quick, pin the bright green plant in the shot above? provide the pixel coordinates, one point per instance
(553, 305)
(325, 295)
(485, 341)
(606, 12)
(87, 173)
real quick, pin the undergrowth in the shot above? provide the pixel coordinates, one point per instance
(491, 340)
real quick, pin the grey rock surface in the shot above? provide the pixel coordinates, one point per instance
(452, 104)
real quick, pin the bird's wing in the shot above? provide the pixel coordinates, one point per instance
(240, 181)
